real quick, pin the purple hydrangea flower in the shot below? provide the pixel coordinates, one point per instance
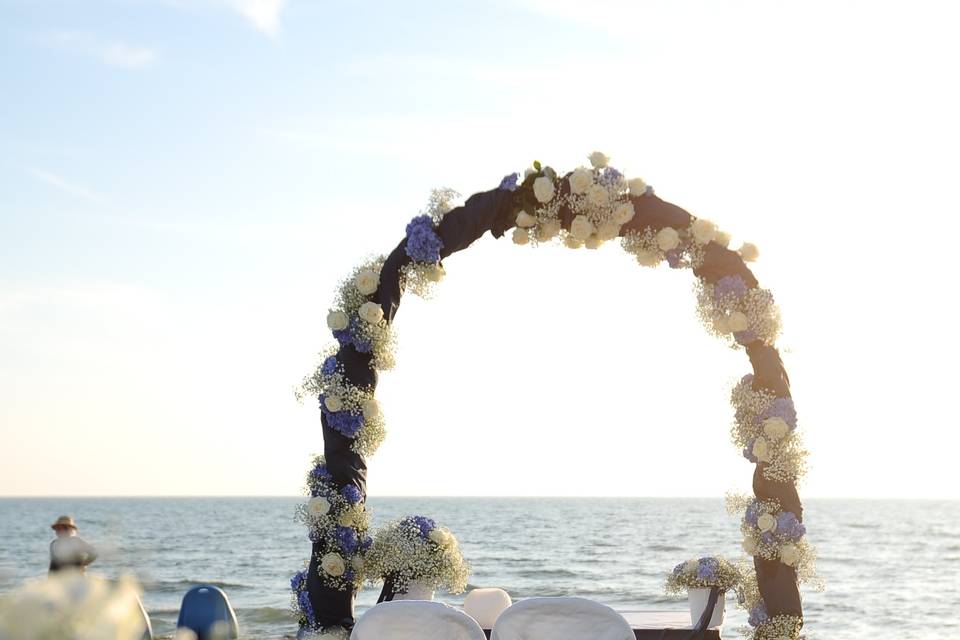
(747, 379)
(753, 513)
(423, 524)
(781, 408)
(351, 493)
(423, 243)
(313, 535)
(348, 574)
(748, 451)
(366, 543)
(745, 337)
(321, 471)
(306, 607)
(509, 182)
(673, 258)
(767, 538)
(730, 287)
(610, 176)
(707, 569)
(345, 422)
(346, 537)
(758, 615)
(677, 570)
(329, 366)
(351, 335)
(789, 527)
(298, 580)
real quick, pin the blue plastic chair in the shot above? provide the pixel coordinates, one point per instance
(206, 611)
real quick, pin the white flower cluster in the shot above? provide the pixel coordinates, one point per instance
(339, 525)
(404, 552)
(356, 313)
(754, 313)
(769, 439)
(780, 627)
(763, 538)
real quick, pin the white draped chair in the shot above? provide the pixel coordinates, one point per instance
(561, 619)
(415, 620)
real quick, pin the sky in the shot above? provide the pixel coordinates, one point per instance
(183, 183)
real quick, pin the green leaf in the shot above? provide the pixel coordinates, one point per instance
(536, 165)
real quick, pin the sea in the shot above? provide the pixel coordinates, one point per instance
(891, 568)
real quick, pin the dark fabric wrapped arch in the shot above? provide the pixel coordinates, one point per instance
(495, 211)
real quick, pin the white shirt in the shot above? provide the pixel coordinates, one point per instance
(71, 552)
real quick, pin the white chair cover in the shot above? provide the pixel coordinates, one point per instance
(415, 620)
(561, 619)
(486, 604)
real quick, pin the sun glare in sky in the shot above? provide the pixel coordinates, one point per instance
(184, 184)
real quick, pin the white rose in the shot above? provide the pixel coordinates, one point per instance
(521, 236)
(668, 238)
(318, 506)
(593, 241)
(690, 566)
(367, 281)
(543, 189)
(529, 171)
(337, 320)
(761, 450)
(333, 403)
(648, 258)
(775, 428)
(581, 228)
(332, 563)
(723, 239)
(371, 312)
(766, 522)
(637, 186)
(548, 229)
(703, 231)
(624, 213)
(441, 537)
(346, 518)
(749, 252)
(750, 546)
(525, 220)
(434, 272)
(789, 554)
(370, 408)
(580, 180)
(722, 325)
(598, 160)
(737, 321)
(572, 242)
(608, 230)
(598, 196)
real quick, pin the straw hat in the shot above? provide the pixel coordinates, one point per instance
(64, 521)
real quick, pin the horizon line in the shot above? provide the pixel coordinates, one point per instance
(525, 497)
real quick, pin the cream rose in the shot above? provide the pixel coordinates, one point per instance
(598, 160)
(703, 231)
(337, 320)
(775, 428)
(668, 238)
(737, 321)
(608, 230)
(623, 213)
(318, 506)
(441, 537)
(543, 189)
(749, 252)
(766, 522)
(580, 180)
(332, 564)
(434, 272)
(572, 242)
(648, 258)
(761, 450)
(598, 196)
(638, 186)
(750, 546)
(333, 403)
(370, 408)
(789, 555)
(581, 228)
(525, 220)
(346, 518)
(723, 239)
(722, 325)
(593, 241)
(548, 229)
(367, 281)
(521, 236)
(371, 312)
(690, 566)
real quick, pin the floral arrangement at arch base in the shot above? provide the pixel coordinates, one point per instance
(704, 573)
(416, 549)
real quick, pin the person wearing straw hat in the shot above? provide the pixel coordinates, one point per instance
(69, 551)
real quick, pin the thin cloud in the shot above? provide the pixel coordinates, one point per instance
(67, 187)
(264, 15)
(114, 54)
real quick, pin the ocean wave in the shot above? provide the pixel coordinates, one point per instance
(178, 586)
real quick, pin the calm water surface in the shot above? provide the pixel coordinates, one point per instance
(892, 568)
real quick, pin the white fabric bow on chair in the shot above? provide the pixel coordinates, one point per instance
(561, 619)
(416, 620)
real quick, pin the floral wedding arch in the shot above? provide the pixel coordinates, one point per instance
(583, 209)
